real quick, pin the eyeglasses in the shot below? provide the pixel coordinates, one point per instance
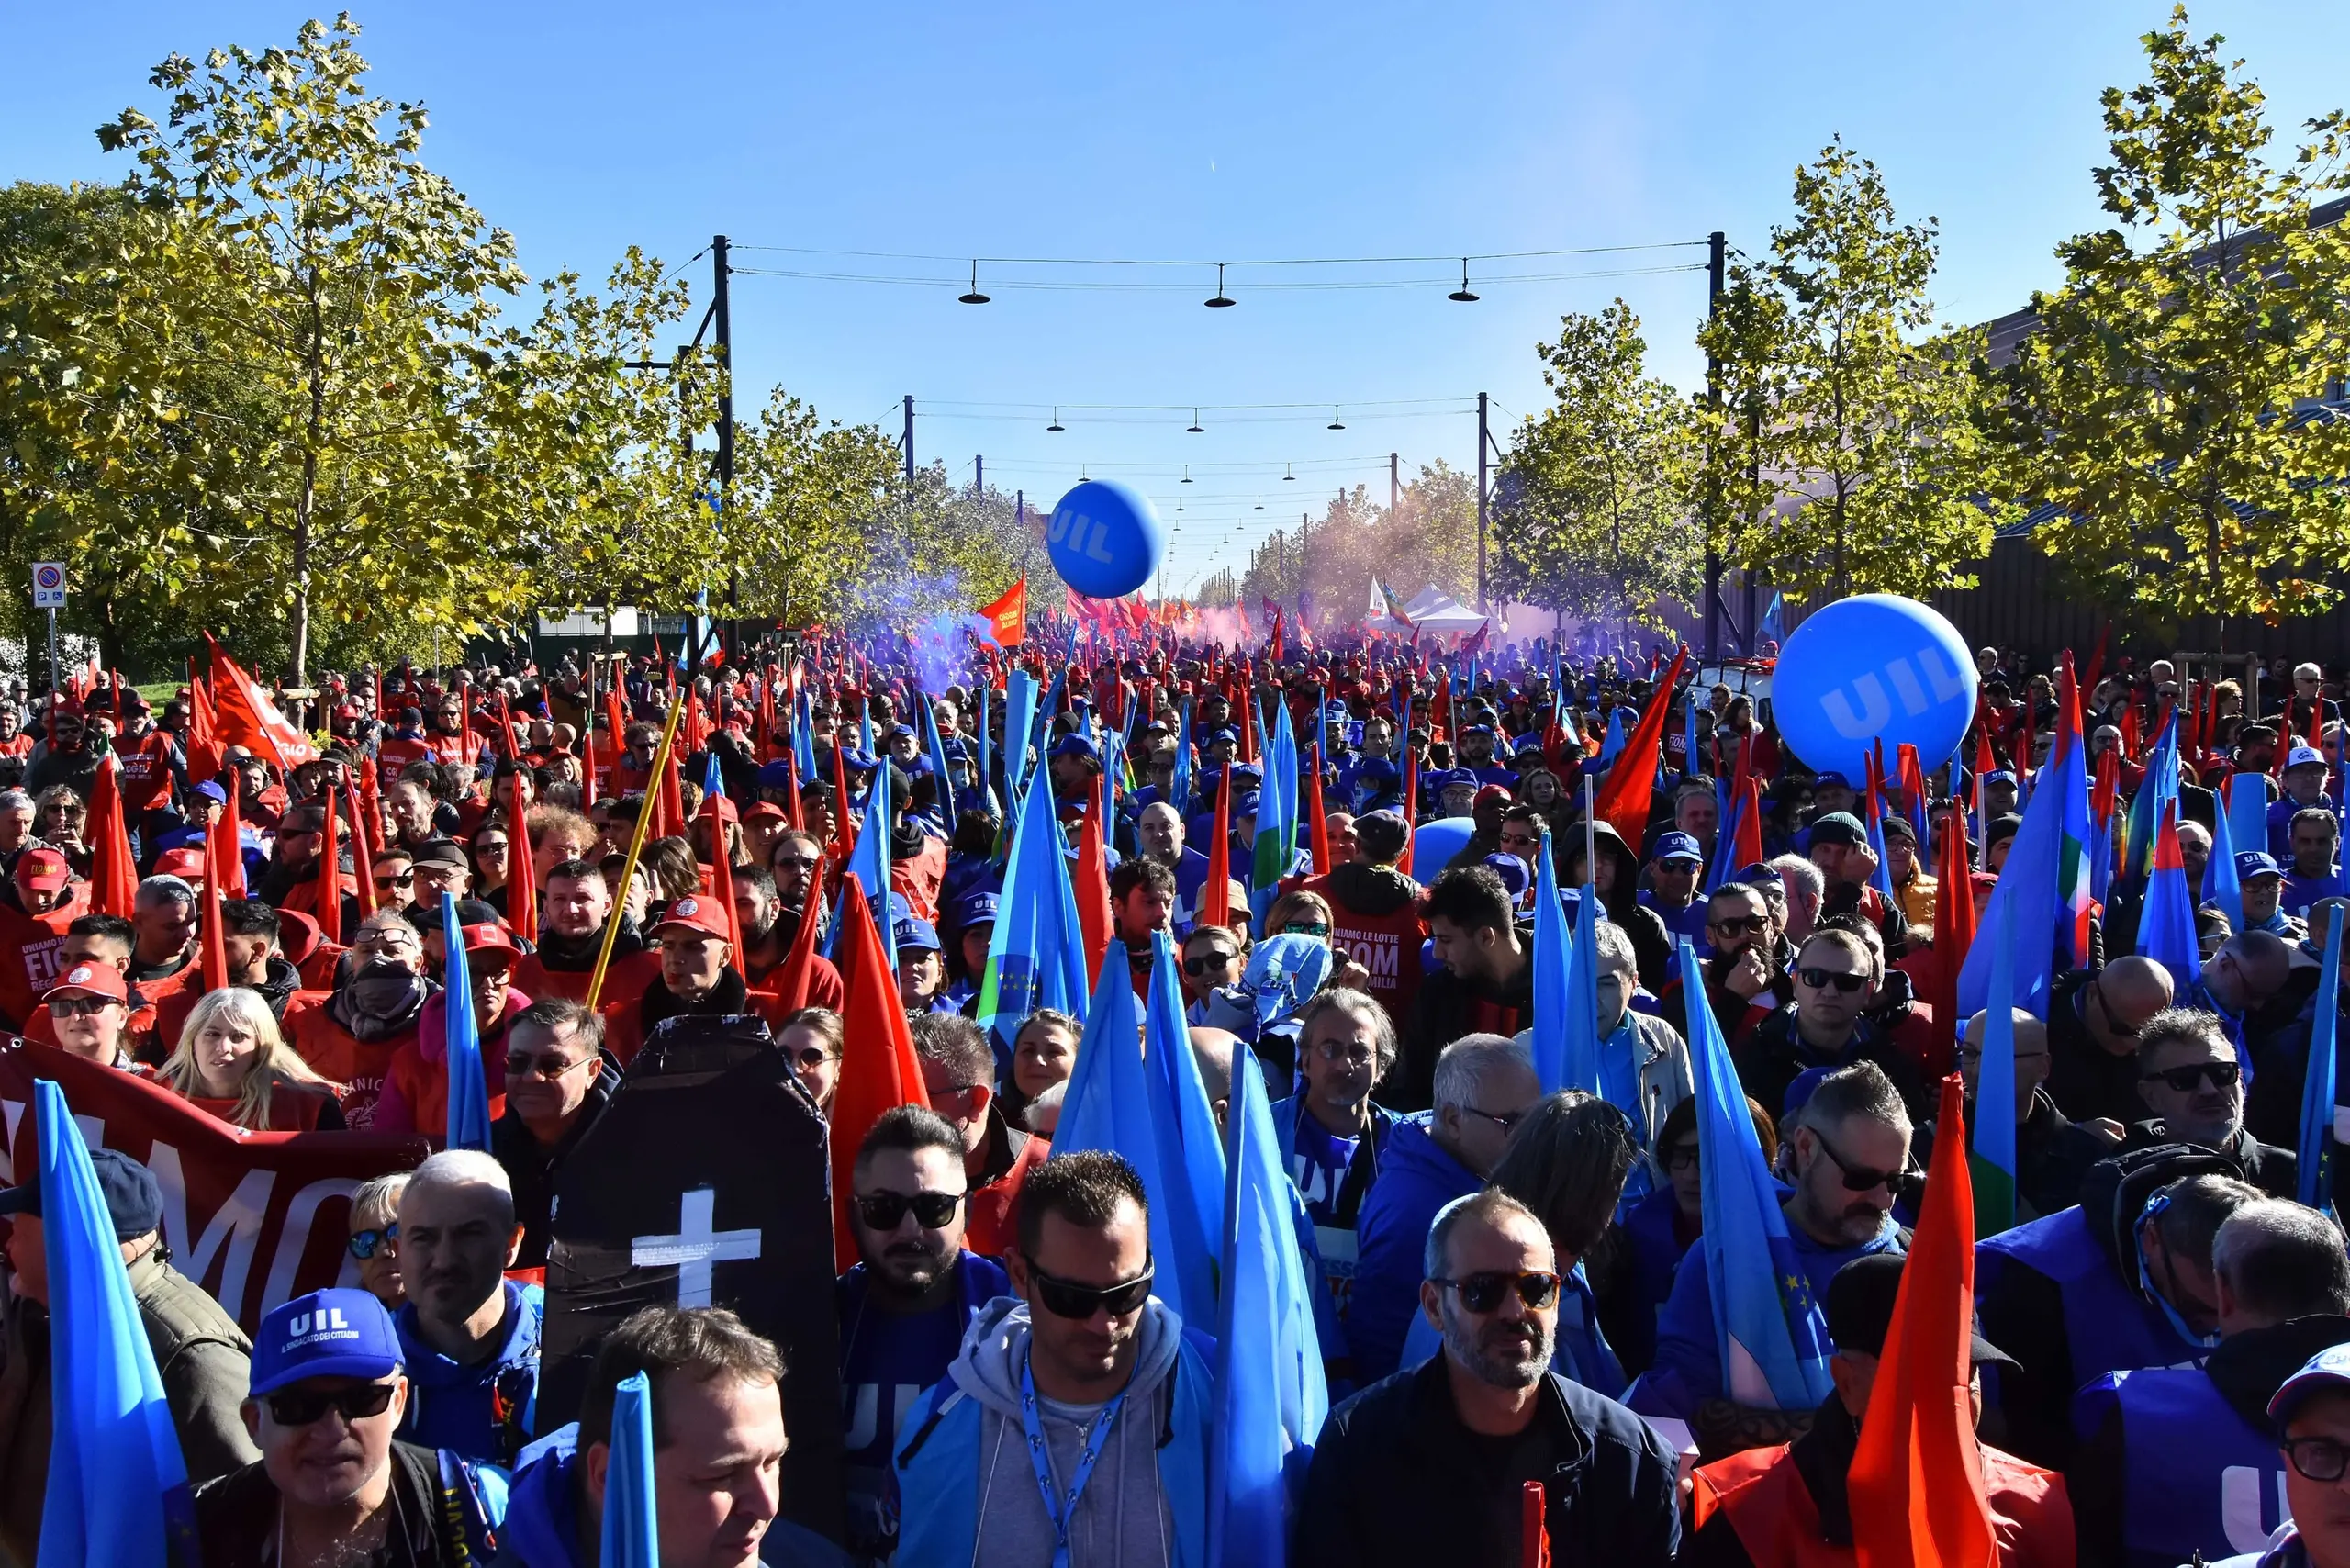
(553, 1065)
(1065, 1298)
(1307, 928)
(811, 1059)
(1819, 978)
(291, 1409)
(1214, 959)
(396, 879)
(931, 1210)
(1858, 1178)
(2222, 1074)
(1349, 1051)
(2318, 1459)
(365, 1244)
(79, 1006)
(1483, 1293)
(2113, 1024)
(1740, 925)
(1681, 1157)
(1505, 1122)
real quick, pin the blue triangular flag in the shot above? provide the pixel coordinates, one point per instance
(631, 1536)
(468, 1084)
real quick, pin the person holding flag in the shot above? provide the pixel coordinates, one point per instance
(332, 1484)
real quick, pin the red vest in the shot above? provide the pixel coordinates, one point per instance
(1777, 1522)
(1387, 944)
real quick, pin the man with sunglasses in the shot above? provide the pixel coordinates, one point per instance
(1073, 1427)
(201, 1356)
(2094, 1017)
(2190, 1078)
(2176, 1460)
(1746, 967)
(904, 1306)
(1849, 1150)
(958, 1073)
(1429, 1465)
(332, 1483)
(1836, 978)
(557, 1082)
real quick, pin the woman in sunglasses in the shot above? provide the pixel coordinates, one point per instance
(232, 1062)
(374, 1240)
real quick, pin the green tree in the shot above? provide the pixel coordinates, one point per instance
(1843, 399)
(2154, 403)
(1598, 521)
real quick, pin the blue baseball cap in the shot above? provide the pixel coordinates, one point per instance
(133, 1198)
(1511, 870)
(1221, 732)
(1076, 745)
(974, 909)
(777, 775)
(2329, 1369)
(1831, 779)
(914, 934)
(340, 1333)
(1679, 847)
(1447, 777)
(2000, 777)
(213, 793)
(1246, 806)
(2251, 863)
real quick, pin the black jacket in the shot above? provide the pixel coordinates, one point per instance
(1397, 1479)
(530, 1166)
(1775, 1056)
(2085, 1079)
(1447, 1008)
(2275, 1171)
(236, 1517)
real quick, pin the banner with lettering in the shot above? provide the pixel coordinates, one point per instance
(255, 1218)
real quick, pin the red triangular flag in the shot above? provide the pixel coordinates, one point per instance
(229, 866)
(878, 1068)
(1092, 881)
(523, 880)
(1215, 899)
(1916, 1491)
(113, 875)
(329, 913)
(1318, 823)
(1622, 801)
(790, 986)
(722, 884)
(244, 717)
(362, 852)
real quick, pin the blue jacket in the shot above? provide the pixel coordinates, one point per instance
(1688, 1368)
(941, 1462)
(483, 1411)
(1650, 1229)
(542, 1527)
(1415, 1179)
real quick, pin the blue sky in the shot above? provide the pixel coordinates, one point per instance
(1204, 131)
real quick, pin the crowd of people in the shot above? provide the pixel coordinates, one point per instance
(1510, 1281)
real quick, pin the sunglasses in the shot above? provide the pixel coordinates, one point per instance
(1739, 925)
(350, 1404)
(1217, 958)
(79, 1006)
(365, 1244)
(522, 1064)
(931, 1210)
(1820, 980)
(793, 862)
(1307, 928)
(400, 879)
(1858, 1178)
(811, 1058)
(1063, 1298)
(2222, 1074)
(1483, 1293)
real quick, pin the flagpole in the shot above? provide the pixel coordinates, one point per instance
(635, 849)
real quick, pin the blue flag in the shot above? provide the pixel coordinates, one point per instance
(631, 1536)
(986, 742)
(1190, 1147)
(1995, 1094)
(1179, 791)
(1620, 730)
(1114, 1103)
(118, 1492)
(1552, 1005)
(468, 1085)
(1276, 847)
(1773, 623)
(2024, 904)
(2158, 789)
(1036, 955)
(935, 744)
(2319, 1113)
(803, 740)
(2223, 888)
(714, 782)
(1689, 735)
(1019, 719)
(2166, 923)
(870, 859)
(1581, 1019)
(1770, 1333)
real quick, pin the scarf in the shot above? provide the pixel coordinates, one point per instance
(379, 1000)
(577, 954)
(728, 996)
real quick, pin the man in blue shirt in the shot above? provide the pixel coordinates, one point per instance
(904, 1306)
(1850, 1146)
(2311, 874)
(1673, 888)
(469, 1336)
(2263, 882)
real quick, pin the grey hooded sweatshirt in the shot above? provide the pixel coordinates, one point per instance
(1122, 1521)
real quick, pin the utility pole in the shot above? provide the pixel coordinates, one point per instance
(909, 440)
(1714, 266)
(979, 475)
(1394, 484)
(721, 319)
(1482, 401)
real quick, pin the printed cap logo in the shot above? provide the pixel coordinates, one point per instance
(78, 975)
(688, 908)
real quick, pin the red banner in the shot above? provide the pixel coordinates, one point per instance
(255, 1218)
(1009, 615)
(244, 717)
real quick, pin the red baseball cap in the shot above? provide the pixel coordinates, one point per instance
(694, 912)
(720, 807)
(489, 937)
(90, 979)
(186, 864)
(44, 868)
(767, 809)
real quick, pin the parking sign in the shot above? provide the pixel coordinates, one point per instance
(49, 585)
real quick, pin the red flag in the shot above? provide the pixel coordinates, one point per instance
(843, 824)
(228, 863)
(113, 875)
(1916, 1484)
(204, 748)
(1318, 823)
(879, 1069)
(669, 802)
(363, 854)
(792, 980)
(1092, 880)
(329, 913)
(1215, 899)
(722, 883)
(1623, 800)
(521, 879)
(1533, 1532)
(1954, 930)
(213, 946)
(2097, 661)
(244, 717)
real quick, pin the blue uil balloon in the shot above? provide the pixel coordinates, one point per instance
(1870, 667)
(1105, 539)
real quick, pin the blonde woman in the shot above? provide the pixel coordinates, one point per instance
(232, 1062)
(374, 1243)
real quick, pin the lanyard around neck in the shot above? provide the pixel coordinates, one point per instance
(1062, 1514)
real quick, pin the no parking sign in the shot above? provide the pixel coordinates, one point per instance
(49, 585)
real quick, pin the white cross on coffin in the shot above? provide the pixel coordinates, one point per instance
(695, 1247)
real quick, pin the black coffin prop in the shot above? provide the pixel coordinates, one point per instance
(706, 1182)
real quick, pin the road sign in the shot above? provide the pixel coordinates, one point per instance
(49, 585)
